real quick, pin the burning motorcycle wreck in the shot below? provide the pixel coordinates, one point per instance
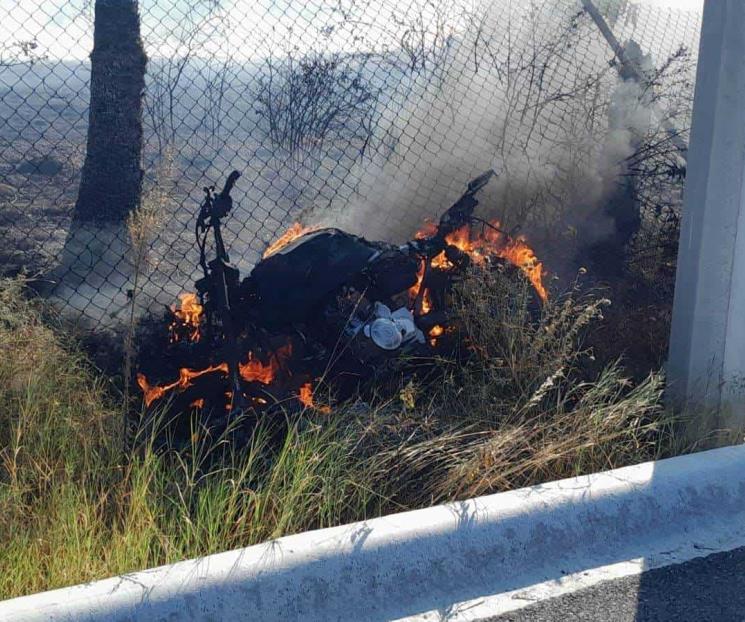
(323, 308)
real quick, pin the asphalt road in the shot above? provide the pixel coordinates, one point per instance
(709, 589)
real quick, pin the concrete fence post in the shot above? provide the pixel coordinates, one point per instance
(706, 365)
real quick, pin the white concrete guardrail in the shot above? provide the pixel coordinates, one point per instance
(441, 563)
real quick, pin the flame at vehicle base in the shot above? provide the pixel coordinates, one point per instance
(486, 243)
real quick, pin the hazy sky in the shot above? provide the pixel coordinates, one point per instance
(63, 27)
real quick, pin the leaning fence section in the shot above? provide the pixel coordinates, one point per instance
(368, 116)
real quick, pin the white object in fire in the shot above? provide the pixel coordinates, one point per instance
(389, 330)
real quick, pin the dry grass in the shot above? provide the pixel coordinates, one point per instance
(73, 507)
(143, 225)
(519, 410)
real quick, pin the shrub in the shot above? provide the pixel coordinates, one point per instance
(313, 100)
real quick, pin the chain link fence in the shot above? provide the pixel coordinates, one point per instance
(369, 116)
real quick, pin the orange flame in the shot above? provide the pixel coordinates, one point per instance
(155, 392)
(305, 397)
(414, 291)
(521, 255)
(434, 333)
(189, 316)
(293, 233)
(479, 247)
(256, 371)
(441, 261)
(251, 371)
(427, 230)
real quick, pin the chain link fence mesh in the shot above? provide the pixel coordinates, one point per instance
(369, 116)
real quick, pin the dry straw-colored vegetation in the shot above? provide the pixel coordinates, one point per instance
(517, 410)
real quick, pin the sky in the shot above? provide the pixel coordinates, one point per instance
(63, 27)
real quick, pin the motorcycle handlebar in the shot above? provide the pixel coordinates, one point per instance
(229, 183)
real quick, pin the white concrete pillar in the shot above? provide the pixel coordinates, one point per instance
(706, 365)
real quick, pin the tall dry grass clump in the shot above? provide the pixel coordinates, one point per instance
(74, 507)
(519, 409)
(143, 225)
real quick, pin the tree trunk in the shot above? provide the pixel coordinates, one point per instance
(111, 180)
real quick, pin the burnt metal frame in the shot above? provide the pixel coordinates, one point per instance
(220, 282)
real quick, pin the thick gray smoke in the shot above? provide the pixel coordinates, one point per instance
(510, 93)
